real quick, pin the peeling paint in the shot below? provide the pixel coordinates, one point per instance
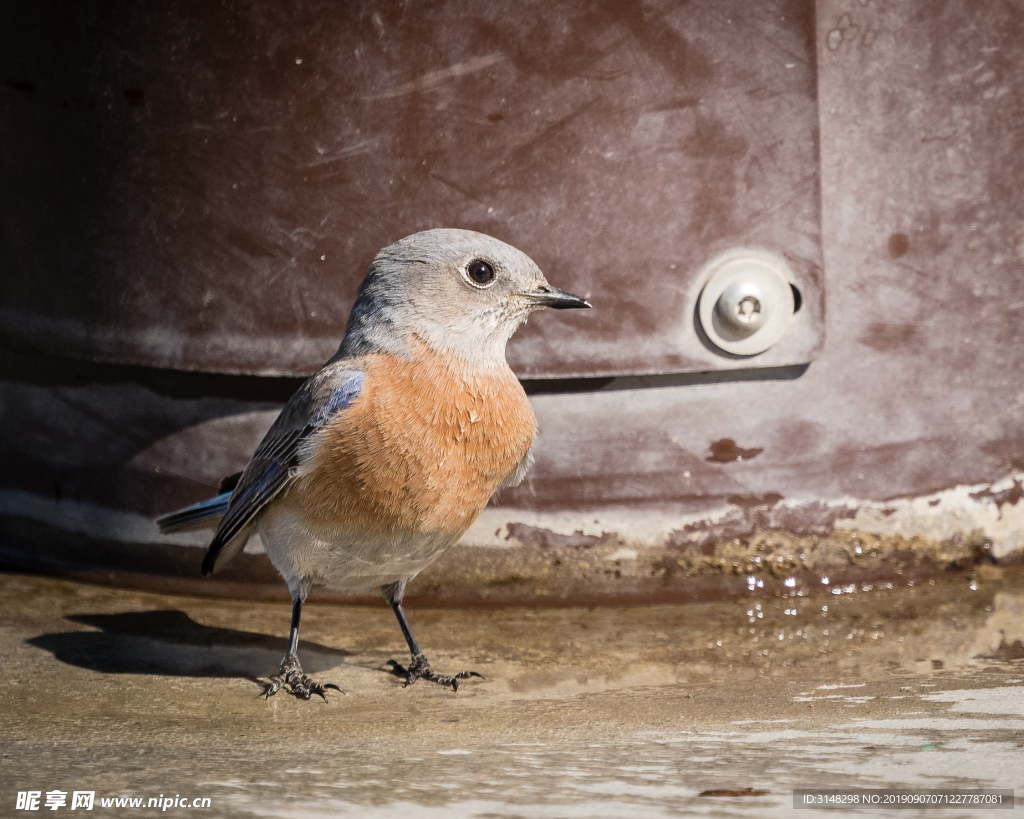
(991, 509)
(726, 451)
(791, 547)
(988, 510)
(1010, 496)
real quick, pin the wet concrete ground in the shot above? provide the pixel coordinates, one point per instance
(606, 712)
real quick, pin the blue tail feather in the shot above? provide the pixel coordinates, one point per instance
(202, 515)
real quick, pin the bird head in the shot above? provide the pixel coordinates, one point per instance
(461, 293)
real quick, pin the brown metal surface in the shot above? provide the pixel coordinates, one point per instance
(918, 390)
(202, 186)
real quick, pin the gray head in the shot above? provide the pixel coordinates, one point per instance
(460, 292)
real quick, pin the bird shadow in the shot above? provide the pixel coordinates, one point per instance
(171, 643)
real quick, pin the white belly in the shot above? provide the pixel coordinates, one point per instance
(342, 559)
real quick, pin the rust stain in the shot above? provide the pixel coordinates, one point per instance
(769, 499)
(546, 539)
(1010, 496)
(812, 520)
(725, 451)
(885, 337)
(899, 244)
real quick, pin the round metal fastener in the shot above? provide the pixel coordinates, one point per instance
(742, 309)
(747, 303)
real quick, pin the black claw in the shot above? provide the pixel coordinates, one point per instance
(420, 668)
(298, 684)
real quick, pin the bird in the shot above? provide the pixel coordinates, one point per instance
(383, 458)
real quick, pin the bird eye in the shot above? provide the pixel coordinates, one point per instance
(480, 272)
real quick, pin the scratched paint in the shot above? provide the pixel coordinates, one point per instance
(252, 162)
(903, 436)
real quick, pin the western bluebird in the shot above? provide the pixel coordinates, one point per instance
(383, 458)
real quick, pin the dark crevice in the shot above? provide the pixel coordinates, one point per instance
(543, 386)
(45, 370)
(42, 370)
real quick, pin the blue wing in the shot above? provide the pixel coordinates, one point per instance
(272, 468)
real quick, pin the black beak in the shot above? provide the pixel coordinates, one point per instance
(548, 296)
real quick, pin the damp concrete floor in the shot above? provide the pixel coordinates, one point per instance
(603, 712)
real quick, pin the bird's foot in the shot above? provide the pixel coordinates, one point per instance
(419, 669)
(290, 677)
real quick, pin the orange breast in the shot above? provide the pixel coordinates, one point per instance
(421, 449)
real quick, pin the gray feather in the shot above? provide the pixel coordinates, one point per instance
(275, 462)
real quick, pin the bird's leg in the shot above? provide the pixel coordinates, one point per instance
(419, 667)
(290, 675)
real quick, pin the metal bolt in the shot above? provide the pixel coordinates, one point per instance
(742, 309)
(747, 302)
(749, 309)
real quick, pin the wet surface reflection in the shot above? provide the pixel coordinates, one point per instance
(585, 712)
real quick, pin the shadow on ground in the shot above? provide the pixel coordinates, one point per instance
(172, 643)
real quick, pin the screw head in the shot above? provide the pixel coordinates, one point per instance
(742, 309)
(747, 302)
